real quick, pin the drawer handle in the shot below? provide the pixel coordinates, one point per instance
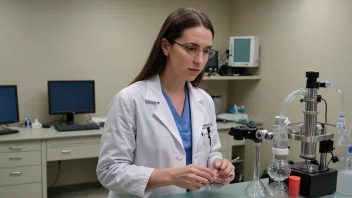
(66, 151)
(16, 147)
(16, 173)
(16, 158)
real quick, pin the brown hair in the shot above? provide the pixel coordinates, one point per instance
(172, 29)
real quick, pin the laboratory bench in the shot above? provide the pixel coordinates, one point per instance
(24, 155)
(236, 190)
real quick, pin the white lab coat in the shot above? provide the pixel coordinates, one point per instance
(141, 135)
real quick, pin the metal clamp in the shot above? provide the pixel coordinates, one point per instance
(264, 134)
(312, 139)
(66, 151)
(16, 173)
(16, 147)
(311, 112)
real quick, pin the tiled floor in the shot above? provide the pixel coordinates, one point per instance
(88, 193)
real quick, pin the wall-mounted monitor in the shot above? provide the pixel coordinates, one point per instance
(244, 51)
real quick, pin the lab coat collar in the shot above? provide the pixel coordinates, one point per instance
(195, 92)
(154, 92)
(163, 113)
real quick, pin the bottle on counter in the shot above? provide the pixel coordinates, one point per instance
(36, 124)
(344, 175)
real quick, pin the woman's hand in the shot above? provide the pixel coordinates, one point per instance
(192, 177)
(224, 171)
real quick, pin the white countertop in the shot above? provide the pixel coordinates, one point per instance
(51, 133)
(45, 133)
(228, 125)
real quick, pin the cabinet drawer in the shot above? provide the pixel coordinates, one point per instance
(73, 152)
(223, 144)
(20, 159)
(20, 146)
(33, 190)
(78, 141)
(20, 175)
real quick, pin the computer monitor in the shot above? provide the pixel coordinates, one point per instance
(213, 62)
(8, 104)
(244, 51)
(71, 97)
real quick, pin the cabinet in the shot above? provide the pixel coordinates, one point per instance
(227, 142)
(20, 168)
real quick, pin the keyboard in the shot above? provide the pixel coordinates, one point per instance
(7, 131)
(77, 127)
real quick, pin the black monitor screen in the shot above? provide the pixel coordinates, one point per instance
(213, 61)
(8, 104)
(71, 97)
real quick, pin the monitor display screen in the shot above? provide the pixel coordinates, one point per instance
(242, 49)
(8, 104)
(213, 61)
(71, 97)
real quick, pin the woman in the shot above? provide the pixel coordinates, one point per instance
(160, 135)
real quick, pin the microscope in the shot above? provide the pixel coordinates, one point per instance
(317, 179)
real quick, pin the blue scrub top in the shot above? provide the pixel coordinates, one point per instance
(184, 124)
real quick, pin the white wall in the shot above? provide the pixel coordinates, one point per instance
(107, 41)
(296, 36)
